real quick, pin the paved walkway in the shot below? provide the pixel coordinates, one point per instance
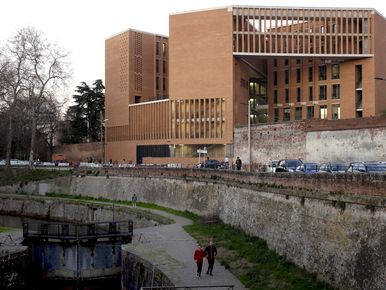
(172, 249)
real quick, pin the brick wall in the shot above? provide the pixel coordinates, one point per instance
(314, 141)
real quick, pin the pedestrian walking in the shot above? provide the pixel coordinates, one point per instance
(210, 254)
(238, 163)
(134, 200)
(199, 255)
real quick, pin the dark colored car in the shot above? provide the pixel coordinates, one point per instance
(308, 167)
(211, 163)
(369, 167)
(288, 165)
(333, 167)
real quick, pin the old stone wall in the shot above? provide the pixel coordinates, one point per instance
(13, 265)
(314, 141)
(71, 211)
(138, 272)
(338, 237)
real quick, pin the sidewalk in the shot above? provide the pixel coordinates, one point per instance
(171, 249)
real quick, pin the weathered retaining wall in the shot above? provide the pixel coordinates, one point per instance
(341, 240)
(138, 272)
(314, 140)
(13, 265)
(312, 220)
(71, 211)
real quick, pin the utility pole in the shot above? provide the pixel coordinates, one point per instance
(249, 136)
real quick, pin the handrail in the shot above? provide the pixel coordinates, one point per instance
(68, 231)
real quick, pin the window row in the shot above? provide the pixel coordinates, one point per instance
(157, 84)
(322, 74)
(321, 112)
(335, 94)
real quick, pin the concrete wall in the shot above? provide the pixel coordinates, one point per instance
(13, 266)
(72, 211)
(138, 272)
(315, 140)
(338, 236)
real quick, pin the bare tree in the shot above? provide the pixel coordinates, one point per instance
(12, 74)
(48, 71)
(32, 70)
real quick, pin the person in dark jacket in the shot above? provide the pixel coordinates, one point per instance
(210, 254)
(199, 258)
(238, 163)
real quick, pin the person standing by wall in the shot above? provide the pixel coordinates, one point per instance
(199, 258)
(134, 200)
(210, 254)
(238, 163)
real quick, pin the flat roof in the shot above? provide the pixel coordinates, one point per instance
(136, 30)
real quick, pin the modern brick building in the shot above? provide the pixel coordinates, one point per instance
(166, 98)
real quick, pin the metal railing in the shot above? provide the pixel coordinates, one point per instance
(226, 287)
(87, 231)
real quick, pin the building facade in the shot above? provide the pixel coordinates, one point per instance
(168, 97)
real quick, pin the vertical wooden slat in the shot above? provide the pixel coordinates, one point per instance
(281, 31)
(242, 30)
(270, 31)
(249, 34)
(254, 30)
(347, 33)
(291, 28)
(357, 34)
(352, 34)
(341, 32)
(314, 32)
(275, 31)
(330, 30)
(259, 31)
(350, 45)
(236, 28)
(264, 28)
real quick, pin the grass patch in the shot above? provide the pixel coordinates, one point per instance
(3, 229)
(28, 175)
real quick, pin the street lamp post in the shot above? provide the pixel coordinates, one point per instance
(102, 136)
(249, 134)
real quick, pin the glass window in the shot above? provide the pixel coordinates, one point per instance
(286, 77)
(164, 84)
(275, 62)
(287, 95)
(310, 74)
(298, 95)
(310, 112)
(164, 49)
(298, 75)
(286, 114)
(335, 71)
(310, 93)
(322, 92)
(157, 83)
(298, 113)
(336, 91)
(276, 115)
(275, 96)
(157, 48)
(164, 67)
(298, 61)
(336, 112)
(323, 112)
(157, 66)
(286, 61)
(322, 73)
(275, 78)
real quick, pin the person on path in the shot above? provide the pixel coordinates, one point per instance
(199, 258)
(134, 200)
(210, 254)
(238, 163)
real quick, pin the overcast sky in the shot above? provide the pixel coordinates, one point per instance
(81, 26)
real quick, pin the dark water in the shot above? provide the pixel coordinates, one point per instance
(35, 280)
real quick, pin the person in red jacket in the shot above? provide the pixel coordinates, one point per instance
(199, 258)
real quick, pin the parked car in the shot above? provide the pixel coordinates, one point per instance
(272, 164)
(288, 165)
(211, 163)
(16, 162)
(308, 167)
(333, 167)
(373, 167)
